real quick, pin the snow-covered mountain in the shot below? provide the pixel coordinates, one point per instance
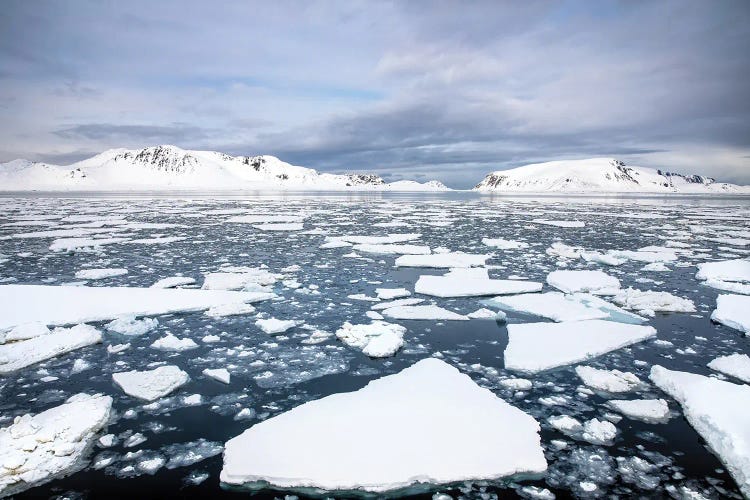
(169, 167)
(599, 175)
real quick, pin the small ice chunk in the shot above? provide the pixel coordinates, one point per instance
(173, 282)
(220, 374)
(128, 325)
(594, 282)
(428, 312)
(650, 301)
(612, 381)
(97, 274)
(273, 326)
(151, 384)
(235, 309)
(517, 384)
(560, 223)
(452, 285)
(392, 293)
(597, 431)
(169, 342)
(386, 338)
(503, 244)
(735, 365)
(442, 260)
(485, 313)
(651, 411)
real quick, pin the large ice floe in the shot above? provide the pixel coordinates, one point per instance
(471, 282)
(717, 410)
(534, 347)
(594, 282)
(64, 305)
(729, 275)
(733, 311)
(311, 446)
(151, 384)
(22, 353)
(50, 444)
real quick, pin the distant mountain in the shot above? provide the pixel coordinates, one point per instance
(171, 168)
(599, 175)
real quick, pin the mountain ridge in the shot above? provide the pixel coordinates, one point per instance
(599, 175)
(170, 167)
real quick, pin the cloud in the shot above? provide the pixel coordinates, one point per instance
(441, 89)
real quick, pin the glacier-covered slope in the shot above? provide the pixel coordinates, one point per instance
(599, 175)
(169, 167)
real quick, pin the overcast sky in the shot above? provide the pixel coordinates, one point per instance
(448, 90)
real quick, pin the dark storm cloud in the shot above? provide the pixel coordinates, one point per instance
(445, 89)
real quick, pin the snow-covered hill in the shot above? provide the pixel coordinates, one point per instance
(599, 175)
(171, 168)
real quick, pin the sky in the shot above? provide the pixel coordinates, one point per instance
(447, 90)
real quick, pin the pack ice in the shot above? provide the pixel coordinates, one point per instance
(35, 449)
(64, 305)
(717, 410)
(311, 446)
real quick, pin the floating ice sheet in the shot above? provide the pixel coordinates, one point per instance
(63, 305)
(311, 446)
(534, 347)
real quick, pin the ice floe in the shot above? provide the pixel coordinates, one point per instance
(594, 282)
(457, 284)
(97, 274)
(503, 244)
(426, 312)
(170, 342)
(648, 302)
(560, 223)
(20, 354)
(378, 339)
(534, 347)
(442, 260)
(652, 411)
(392, 293)
(129, 325)
(390, 249)
(220, 374)
(560, 307)
(733, 311)
(173, 282)
(53, 443)
(273, 326)
(735, 365)
(717, 410)
(151, 384)
(65, 305)
(612, 381)
(311, 446)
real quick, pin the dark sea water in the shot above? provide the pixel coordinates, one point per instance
(300, 372)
